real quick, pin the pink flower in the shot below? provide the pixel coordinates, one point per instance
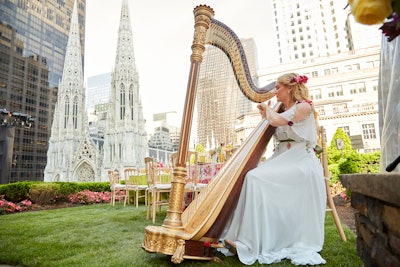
(299, 79)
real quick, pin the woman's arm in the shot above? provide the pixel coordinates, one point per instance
(303, 109)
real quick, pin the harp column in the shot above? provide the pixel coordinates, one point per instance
(203, 15)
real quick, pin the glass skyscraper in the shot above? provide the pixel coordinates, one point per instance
(33, 40)
(219, 100)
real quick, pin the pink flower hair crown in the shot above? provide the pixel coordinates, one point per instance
(299, 79)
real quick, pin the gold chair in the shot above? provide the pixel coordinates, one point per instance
(115, 186)
(132, 183)
(155, 189)
(331, 205)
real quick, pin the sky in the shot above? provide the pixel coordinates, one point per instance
(162, 38)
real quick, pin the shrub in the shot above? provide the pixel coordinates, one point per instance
(335, 173)
(94, 186)
(44, 193)
(67, 188)
(16, 192)
(48, 192)
(360, 163)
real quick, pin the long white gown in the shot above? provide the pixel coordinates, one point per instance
(281, 209)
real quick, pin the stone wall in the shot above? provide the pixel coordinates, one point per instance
(376, 197)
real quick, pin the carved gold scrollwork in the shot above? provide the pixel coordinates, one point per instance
(179, 252)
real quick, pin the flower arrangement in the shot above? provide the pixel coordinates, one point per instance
(372, 12)
(299, 79)
(88, 197)
(10, 207)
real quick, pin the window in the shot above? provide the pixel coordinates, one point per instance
(131, 106)
(122, 103)
(339, 90)
(331, 91)
(66, 112)
(346, 129)
(375, 85)
(353, 88)
(361, 87)
(327, 72)
(320, 110)
(315, 94)
(75, 113)
(340, 108)
(369, 131)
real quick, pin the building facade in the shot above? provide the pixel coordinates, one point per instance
(32, 50)
(98, 90)
(72, 155)
(97, 101)
(311, 29)
(125, 139)
(344, 89)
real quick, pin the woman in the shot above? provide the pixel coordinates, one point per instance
(281, 209)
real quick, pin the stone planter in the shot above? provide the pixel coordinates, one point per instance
(376, 197)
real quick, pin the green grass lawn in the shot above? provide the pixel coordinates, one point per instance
(102, 235)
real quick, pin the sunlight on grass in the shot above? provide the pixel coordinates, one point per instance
(102, 235)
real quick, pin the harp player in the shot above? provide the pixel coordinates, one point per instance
(281, 209)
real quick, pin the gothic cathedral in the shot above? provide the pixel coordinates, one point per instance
(72, 155)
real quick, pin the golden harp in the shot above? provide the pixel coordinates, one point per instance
(192, 233)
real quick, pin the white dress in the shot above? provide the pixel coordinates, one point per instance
(281, 209)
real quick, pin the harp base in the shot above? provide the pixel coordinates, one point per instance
(177, 243)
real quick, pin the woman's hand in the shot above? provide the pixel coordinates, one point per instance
(262, 108)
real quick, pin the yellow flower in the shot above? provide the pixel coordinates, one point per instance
(370, 11)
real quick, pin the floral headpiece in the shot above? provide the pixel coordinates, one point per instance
(299, 79)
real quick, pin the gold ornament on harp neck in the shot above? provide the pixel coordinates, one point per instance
(199, 36)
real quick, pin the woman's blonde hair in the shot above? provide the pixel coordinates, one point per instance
(299, 89)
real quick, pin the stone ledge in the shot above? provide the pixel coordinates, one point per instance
(382, 186)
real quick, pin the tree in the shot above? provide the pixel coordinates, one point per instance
(340, 147)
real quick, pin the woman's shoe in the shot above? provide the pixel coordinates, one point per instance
(231, 246)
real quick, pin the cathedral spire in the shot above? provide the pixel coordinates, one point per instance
(125, 58)
(73, 56)
(125, 140)
(72, 156)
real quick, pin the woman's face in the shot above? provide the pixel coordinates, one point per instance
(282, 92)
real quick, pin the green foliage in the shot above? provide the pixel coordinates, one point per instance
(44, 193)
(94, 186)
(361, 163)
(67, 188)
(19, 191)
(76, 237)
(335, 174)
(335, 155)
(16, 192)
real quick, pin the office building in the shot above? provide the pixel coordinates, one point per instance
(311, 29)
(344, 89)
(32, 50)
(219, 100)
